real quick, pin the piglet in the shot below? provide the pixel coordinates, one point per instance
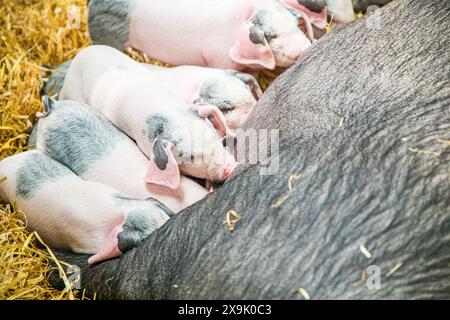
(92, 147)
(68, 212)
(234, 93)
(175, 137)
(238, 35)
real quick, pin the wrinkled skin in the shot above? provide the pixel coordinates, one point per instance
(362, 5)
(363, 70)
(398, 211)
(364, 182)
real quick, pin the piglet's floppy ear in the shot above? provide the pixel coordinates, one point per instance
(245, 52)
(163, 168)
(110, 248)
(318, 19)
(216, 117)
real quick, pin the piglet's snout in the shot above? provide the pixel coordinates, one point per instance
(297, 47)
(228, 170)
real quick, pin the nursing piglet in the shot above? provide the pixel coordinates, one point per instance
(91, 146)
(68, 212)
(174, 136)
(238, 35)
(234, 93)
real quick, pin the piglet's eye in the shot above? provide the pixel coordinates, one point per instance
(270, 35)
(226, 107)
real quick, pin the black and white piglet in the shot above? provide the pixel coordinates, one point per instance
(92, 147)
(68, 212)
(177, 138)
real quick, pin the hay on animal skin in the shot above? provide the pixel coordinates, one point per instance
(231, 218)
(364, 250)
(283, 198)
(394, 269)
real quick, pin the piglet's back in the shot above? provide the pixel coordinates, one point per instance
(56, 202)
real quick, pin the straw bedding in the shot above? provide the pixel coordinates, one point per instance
(33, 33)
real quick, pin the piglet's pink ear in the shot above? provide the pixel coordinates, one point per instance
(245, 52)
(216, 117)
(163, 168)
(110, 248)
(318, 19)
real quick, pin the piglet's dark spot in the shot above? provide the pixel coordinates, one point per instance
(79, 137)
(161, 159)
(261, 31)
(160, 130)
(211, 93)
(37, 170)
(157, 125)
(256, 35)
(313, 5)
(128, 238)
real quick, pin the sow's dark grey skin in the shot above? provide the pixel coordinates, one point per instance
(351, 192)
(379, 180)
(365, 67)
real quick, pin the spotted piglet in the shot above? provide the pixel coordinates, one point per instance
(69, 212)
(234, 93)
(91, 146)
(177, 138)
(229, 34)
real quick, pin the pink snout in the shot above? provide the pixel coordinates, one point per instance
(293, 49)
(228, 170)
(295, 52)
